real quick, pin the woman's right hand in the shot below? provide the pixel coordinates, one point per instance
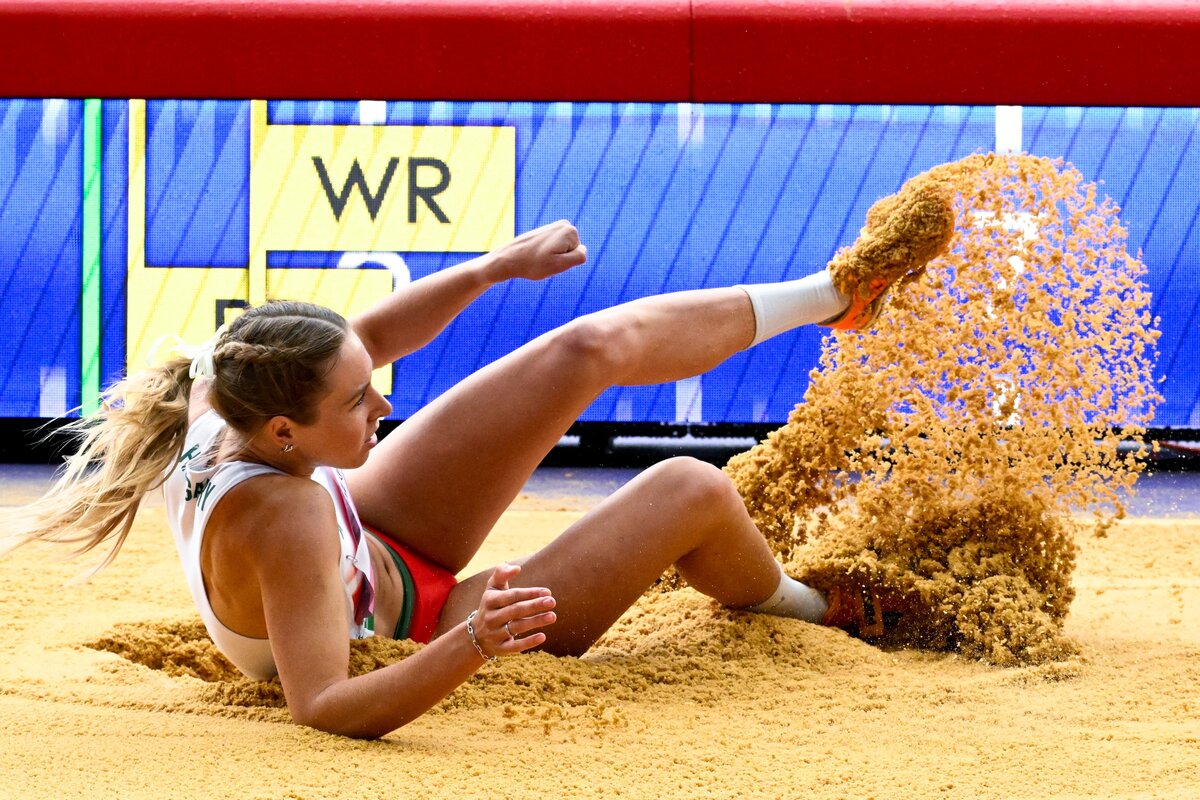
(539, 253)
(508, 620)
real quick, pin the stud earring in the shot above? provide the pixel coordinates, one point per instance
(287, 448)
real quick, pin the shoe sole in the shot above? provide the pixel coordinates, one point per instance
(931, 205)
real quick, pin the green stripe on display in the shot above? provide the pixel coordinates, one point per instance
(89, 321)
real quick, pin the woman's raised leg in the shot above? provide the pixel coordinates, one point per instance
(682, 512)
(440, 481)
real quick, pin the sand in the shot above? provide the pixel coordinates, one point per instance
(681, 700)
(935, 458)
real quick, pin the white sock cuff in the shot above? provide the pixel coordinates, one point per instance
(772, 602)
(794, 599)
(760, 313)
(779, 307)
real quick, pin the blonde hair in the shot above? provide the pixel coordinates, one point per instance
(271, 362)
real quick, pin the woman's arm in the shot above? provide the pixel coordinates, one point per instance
(413, 315)
(304, 603)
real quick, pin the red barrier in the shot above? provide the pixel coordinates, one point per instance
(1025, 52)
(367, 49)
(1113, 52)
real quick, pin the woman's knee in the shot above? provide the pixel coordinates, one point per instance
(599, 341)
(697, 485)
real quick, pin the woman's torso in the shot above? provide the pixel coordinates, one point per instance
(224, 587)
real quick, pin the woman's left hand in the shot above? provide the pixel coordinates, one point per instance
(509, 620)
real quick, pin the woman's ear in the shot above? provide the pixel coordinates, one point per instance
(281, 431)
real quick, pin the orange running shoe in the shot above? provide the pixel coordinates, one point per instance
(861, 611)
(904, 232)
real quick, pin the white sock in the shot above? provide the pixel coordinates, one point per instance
(779, 307)
(794, 599)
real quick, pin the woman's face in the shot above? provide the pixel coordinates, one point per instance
(347, 416)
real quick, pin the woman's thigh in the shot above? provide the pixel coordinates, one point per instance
(441, 479)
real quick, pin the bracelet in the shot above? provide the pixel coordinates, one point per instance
(474, 641)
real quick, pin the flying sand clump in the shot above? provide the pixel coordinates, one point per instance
(939, 456)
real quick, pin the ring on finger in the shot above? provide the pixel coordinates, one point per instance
(511, 635)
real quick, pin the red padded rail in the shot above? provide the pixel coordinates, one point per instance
(1021, 52)
(366, 49)
(1086, 52)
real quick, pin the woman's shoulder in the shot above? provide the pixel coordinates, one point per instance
(280, 494)
(274, 524)
(278, 501)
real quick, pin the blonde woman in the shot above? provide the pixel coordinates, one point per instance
(299, 532)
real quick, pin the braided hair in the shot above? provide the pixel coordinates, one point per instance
(273, 362)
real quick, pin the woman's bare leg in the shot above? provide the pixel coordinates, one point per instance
(681, 512)
(440, 481)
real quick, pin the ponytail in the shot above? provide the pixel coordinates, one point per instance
(125, 450)
(272, 361)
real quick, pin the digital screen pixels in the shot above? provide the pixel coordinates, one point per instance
(667, 197)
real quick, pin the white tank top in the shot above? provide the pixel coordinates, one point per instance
(193, 489)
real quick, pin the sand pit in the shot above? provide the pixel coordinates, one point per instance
(938, 455)
(682, 700)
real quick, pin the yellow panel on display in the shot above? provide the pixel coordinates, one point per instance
(180, 301)
(435, 188)
(167, 302)
(324, 188)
